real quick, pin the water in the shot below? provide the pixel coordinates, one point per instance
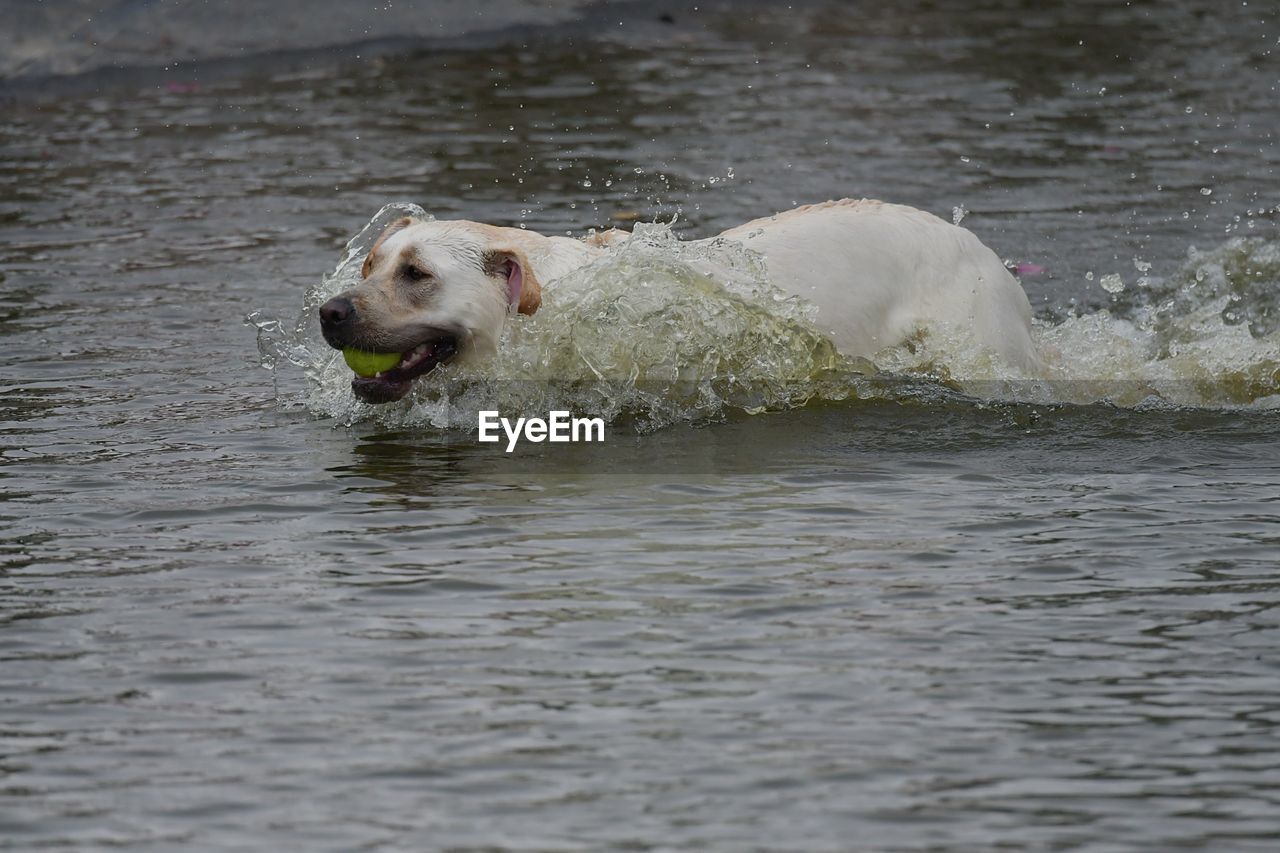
(928, 615)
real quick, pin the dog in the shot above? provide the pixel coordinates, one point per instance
(879, 274)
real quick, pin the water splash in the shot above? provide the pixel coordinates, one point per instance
(642, 335)
(1206, 336)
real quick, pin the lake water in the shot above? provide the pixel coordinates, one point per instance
(914, 613)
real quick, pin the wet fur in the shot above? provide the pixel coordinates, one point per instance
(878, 273)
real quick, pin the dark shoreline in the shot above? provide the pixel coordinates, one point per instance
(108, 73)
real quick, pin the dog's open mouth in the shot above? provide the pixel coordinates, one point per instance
(392, 384)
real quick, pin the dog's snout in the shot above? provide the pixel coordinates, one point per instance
(337, 320)
(336, 311)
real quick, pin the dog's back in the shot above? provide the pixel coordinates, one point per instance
(880, 273)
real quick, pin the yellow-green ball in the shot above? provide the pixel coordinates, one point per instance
(367, 363)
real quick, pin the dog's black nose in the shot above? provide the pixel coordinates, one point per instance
(337, 320)
(336, 311)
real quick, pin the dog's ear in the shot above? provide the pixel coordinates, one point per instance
(524, 291)
(401, 223)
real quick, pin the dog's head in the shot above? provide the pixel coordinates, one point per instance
(432, 292)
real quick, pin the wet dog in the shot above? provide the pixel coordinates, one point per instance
(436, 291)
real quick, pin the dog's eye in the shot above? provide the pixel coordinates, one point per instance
(415, 274)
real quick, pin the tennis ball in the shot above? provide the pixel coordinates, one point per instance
(366, 363)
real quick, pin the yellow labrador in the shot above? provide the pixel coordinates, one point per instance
(878, 273)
